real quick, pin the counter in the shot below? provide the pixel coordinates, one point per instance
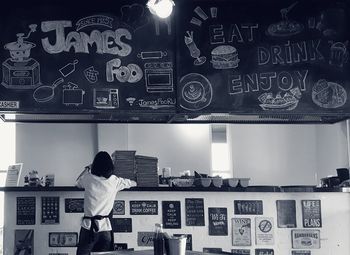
(221, 215)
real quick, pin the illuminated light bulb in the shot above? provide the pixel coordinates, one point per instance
(161, 8)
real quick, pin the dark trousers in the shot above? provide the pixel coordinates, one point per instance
(96, 241)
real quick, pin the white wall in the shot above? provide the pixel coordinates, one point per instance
(287, 154)
(62, 149)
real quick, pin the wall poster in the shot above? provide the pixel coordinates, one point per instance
(264, 252)
(194, 211)
(240, 251)
(24, 242)
(311, 211)
(286, 214)
(74, 205)
(171, 214)
(25, 211)
(301, 252)
(121, 225)
(249, 207)
(217, 221)
(241, 232)
(145, 239)
(144, 207)
(119, 207)
(63, 239)
(306, 239)
(50, 210)
(264, 232)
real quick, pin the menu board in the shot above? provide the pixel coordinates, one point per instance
(311, 211)
(74, 205)
(50, 210)
(263, 57)
(286, 214)
(171, 214)
(69, 56)
(194, 211)
(143, 207)
(25, 211)
(217, 221)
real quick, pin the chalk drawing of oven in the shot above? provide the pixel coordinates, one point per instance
(159, 77)
(72, 95)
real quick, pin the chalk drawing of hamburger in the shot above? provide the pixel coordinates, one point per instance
(224, 57)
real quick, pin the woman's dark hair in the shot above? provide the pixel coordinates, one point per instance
(102, 165)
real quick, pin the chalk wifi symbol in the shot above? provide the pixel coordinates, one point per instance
(131, 100)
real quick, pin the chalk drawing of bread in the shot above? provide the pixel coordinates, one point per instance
(328, 95)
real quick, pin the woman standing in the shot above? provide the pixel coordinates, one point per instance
(101, 187)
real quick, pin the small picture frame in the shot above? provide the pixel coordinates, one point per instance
(63, 239)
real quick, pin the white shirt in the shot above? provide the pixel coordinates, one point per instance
(99, 197)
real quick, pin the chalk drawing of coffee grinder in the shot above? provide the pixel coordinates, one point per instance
(21, 71)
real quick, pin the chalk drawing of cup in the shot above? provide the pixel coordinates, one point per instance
(339, 54)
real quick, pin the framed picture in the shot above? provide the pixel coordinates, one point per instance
(63, 239)
(13, 174)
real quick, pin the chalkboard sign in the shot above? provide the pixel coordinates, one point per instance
(144, 207)
(263, 57)
(121, 225)
(25, 211)
(194, 211)
(74, 205)
(286, 214)
(171, 214)
(217, 221)
(311, 211)
(72, 57)
(264, 252)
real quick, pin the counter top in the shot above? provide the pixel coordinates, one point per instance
(190, 189)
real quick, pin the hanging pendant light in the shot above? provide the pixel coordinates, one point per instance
(161, 8)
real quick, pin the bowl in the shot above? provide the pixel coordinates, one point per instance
(231, 182)
(203, 182)
(244, 182)
(217, 182)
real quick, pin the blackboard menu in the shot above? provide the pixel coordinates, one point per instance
(311, 212)
(263, 57)
(25, 211)
(74, 205)
(217, 221)
(72, 57)
(144, 207)
(286, 214)
(194, 211)
(120, 225)
(171, 214)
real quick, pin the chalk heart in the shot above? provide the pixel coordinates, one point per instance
(241, 231)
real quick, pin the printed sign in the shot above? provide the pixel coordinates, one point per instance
(120, 246)
(145, 238)
(264, 231)
(50, 210)
(194, 211)
(311, 210)
(9, 104)
(188, 241)
(241, 232)
(25, 211)
(248, 207)
(143, 207)
(171, 214)
(63, 239)
(74, 205)
(301, 252)
(264, 252)
(305, 239)
(286, 214)
(121, 225)
(13, 174)
(119, 207)
(24, 241)
(217, 221)
(240, 252)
